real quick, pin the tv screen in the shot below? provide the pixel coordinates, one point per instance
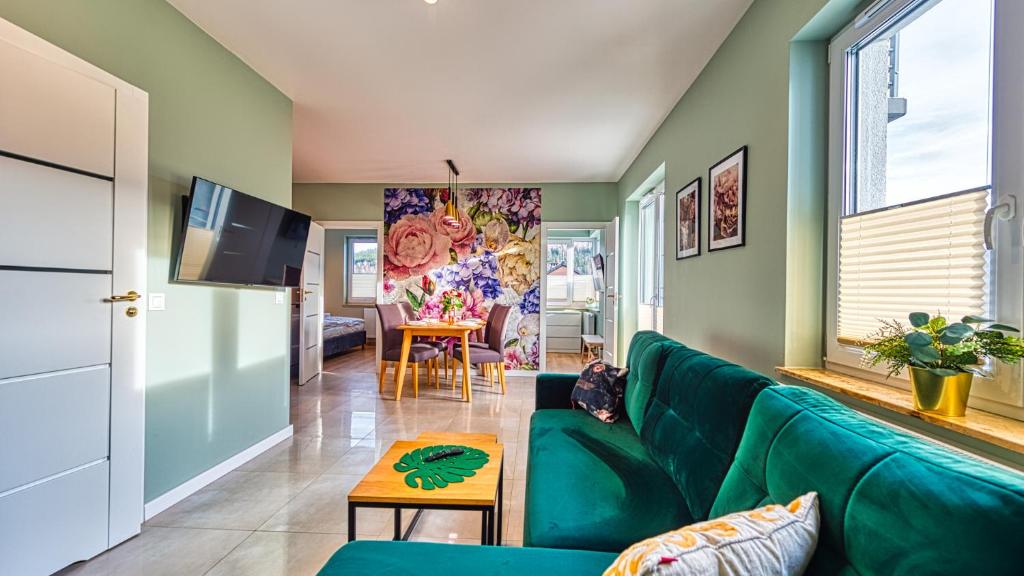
(233, 238)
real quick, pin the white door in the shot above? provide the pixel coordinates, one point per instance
(311, 335)
(611, 301)
(73, 162)
(650, 307)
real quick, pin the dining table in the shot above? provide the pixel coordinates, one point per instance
(437, 329)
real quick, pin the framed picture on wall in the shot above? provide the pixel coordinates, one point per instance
(727, 202)
(688, 220)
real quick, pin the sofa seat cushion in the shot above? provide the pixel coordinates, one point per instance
(890, 502)
(593, 486)
(387, 558)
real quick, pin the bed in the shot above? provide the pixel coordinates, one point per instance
(342, 333)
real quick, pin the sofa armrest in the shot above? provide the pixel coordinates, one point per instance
(554, 390)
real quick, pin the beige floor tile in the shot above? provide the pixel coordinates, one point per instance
(311, 455)
(162, 552)
(323, 508)
(238, 501)
(279, 554)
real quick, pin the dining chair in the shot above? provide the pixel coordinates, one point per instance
(433, 365)
(489, 354)
(391, 317)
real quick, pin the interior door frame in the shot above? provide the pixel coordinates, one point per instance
(546, 227)
(130, 259)
(378, 227)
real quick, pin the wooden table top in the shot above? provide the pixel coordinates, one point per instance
(442, 328)
(383, 484)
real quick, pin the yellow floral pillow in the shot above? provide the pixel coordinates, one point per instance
(773, 540)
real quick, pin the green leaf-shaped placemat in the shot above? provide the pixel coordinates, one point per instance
(440, 473)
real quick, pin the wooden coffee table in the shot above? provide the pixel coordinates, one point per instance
(384, 487)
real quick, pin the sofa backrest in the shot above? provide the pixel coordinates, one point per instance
(695, 420)
(646, 356)
(890, 502)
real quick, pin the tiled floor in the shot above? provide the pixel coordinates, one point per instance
(284, 512)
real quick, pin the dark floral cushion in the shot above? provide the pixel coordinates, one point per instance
(599, 390)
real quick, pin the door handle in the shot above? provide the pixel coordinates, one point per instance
(307, 291)
(131, 296)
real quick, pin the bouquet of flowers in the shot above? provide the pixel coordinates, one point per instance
(451, 300)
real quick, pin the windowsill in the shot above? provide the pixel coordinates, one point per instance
(984, 426)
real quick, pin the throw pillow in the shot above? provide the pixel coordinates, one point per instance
(769, 541)
(599, 390)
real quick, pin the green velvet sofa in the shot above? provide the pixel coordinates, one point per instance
(705, 438)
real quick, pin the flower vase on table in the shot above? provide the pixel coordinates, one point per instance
(451, 300)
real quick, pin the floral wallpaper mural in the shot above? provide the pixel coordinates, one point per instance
(492, 257)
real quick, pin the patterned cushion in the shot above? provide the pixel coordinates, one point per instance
(772, 540)
(599, 390)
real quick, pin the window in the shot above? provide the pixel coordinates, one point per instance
(914, 168)
(570, 271)
(650, 307)
(360, 270)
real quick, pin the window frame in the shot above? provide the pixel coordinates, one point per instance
(1003, 394)
(570, 270)
(350, 242)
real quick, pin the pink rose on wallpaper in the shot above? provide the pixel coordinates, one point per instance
(473, 304)
(462, 237)
(414, 246)
(514, 358)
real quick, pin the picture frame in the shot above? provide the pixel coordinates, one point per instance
(688, 220)
(727, 202)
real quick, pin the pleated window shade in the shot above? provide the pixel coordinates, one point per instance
(924, 257)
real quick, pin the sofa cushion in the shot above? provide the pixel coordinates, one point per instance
(592, 486)
(387, 558)
(696, 419)
(646, 351)
(891, 502)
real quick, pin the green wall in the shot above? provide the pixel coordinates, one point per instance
(560, 202)
(733, 303)
(217, 369)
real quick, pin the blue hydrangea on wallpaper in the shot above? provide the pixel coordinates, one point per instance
(530, 304)
(493, 256)
(399, 202)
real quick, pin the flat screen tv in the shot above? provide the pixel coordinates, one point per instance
(232, 238)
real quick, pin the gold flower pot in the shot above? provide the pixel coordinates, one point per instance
(943, 395)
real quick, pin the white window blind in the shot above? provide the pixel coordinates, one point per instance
(924, 257)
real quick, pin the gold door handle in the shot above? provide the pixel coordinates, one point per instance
(308, 291)
(131, 296)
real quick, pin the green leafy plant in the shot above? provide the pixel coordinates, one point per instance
(440, 473)
(942, 348)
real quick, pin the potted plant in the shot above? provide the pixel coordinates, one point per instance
(451, 300)
(943, 358)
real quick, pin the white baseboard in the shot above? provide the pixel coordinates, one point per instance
(186, 489)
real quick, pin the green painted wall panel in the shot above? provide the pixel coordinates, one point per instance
(732, 303)
(217, 366)
(561, 202)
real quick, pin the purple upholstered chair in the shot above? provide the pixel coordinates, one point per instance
(490, 354)
(442, 347)
(391, 317)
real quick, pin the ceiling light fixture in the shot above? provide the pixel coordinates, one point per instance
(451, 208)
(430, 1)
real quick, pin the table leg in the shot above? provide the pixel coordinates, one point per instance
(501, 495)
(485, 528)
(403, 363)
(467, 389)
(398, 524)
(351, 522)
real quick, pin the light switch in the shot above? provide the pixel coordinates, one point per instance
(157, 301)
(278, 297)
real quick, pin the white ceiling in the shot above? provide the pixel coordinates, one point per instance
(513, 90)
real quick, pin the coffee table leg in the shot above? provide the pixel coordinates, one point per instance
(501, 495)
(398, 524)
(351, 522)
(485, 525)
